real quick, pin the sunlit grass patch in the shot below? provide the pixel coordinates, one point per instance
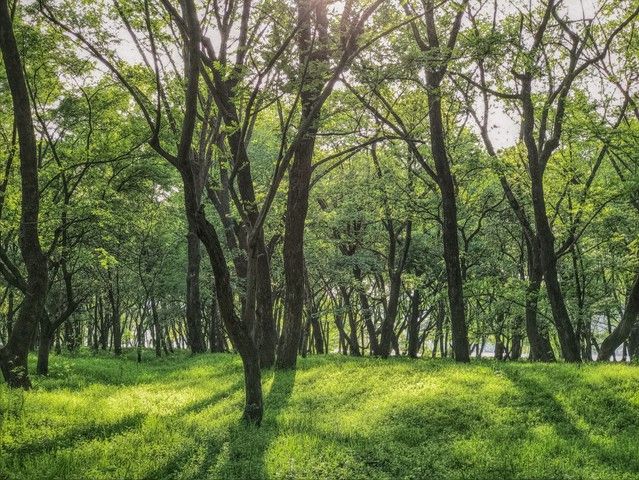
(334, 418)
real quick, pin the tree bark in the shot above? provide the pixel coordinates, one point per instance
(157, 329)
(540, 347)
(44, 345)
(114, 300)
(413, 324)
(449, 227)
(567, 338)
(313, 59)
(13, 356)
(194, 332)
(625, 326)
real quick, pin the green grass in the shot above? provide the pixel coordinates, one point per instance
(334, 418)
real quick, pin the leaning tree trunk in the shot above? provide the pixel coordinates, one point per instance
(567, 338)
(633, 343)
(13, 357)
(625, 326)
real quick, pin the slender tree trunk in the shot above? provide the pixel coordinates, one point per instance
(515, 351)
(536, 165)
(264, 306)
(157, 329)
(13, 356)
(449, 227)
(413, 325)
(391, 314)
(114, 299)
(312, 52)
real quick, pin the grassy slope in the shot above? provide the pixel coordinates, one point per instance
(335, 418)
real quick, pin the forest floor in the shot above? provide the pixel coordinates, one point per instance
(334, 418)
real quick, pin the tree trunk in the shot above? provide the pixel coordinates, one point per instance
(157, 329)
(540, 347)
(366, 312)
(13, 356)
(625, 326)
(515, 351)
(413, 325)
(312, 52)
(44, 345)
(633, 343)
(194, 332)
(391, 314)
(114, 299)
(449, 227)
(536, 165)
(264, 306)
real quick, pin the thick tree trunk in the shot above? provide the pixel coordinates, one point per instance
(44, 345)
(633, 343)
(194, 331)
(296, 208)
(540, 347)
(13, 356)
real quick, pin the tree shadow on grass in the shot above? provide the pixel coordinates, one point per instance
(244, 455)
(541, 398)
(75, 436)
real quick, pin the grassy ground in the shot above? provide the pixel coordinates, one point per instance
(334, 418)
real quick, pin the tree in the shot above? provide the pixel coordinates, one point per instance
(13, 356)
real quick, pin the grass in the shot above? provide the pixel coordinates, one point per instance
(334, 418)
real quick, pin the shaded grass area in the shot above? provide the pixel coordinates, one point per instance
(334, 418)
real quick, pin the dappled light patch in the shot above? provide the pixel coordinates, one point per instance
(333, 418)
